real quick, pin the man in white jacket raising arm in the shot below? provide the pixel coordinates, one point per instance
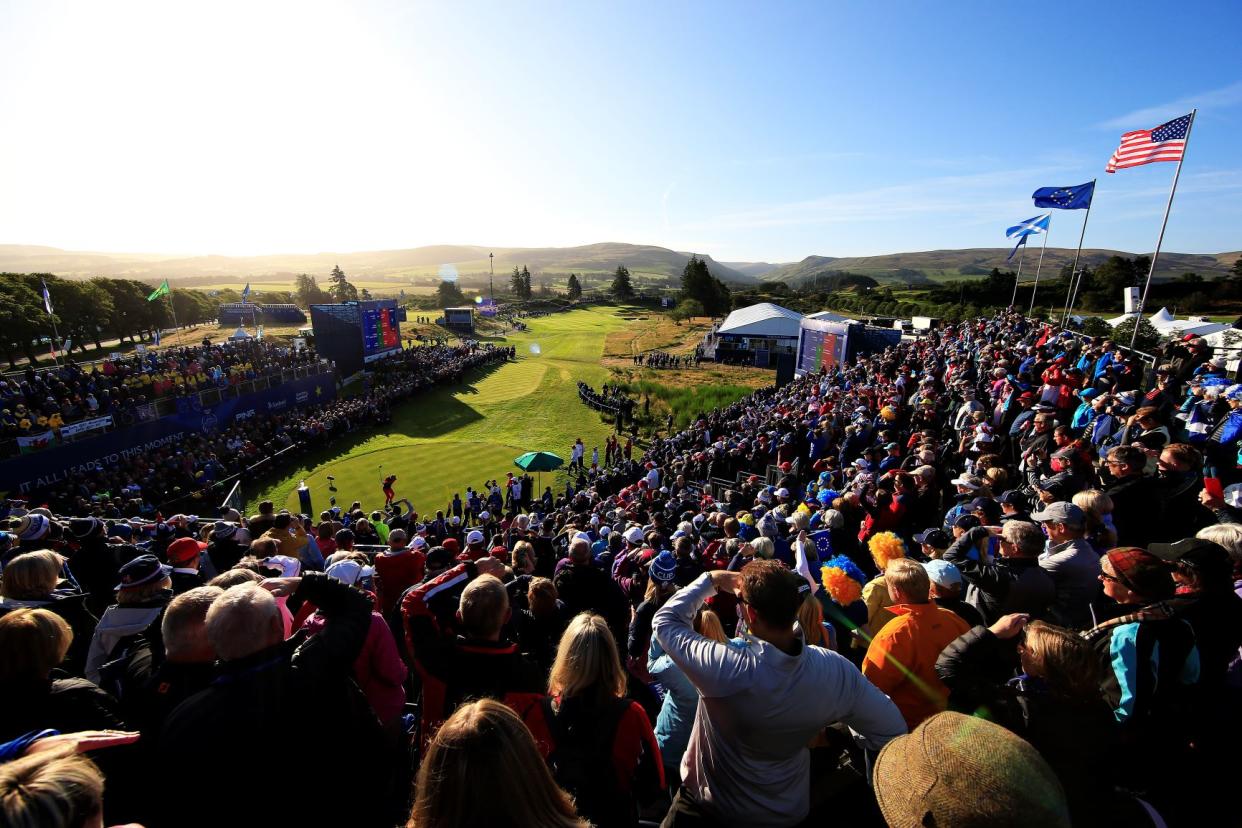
(759, 707)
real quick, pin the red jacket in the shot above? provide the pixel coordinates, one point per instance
(455, 668)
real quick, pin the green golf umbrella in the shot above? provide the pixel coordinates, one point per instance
(538, 461)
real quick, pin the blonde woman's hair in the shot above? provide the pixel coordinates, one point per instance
(707, 624)
(53, 789)
(764, 548)
(31, 575)
(910, 578)
(484, 745)
(1093, 501)
(1095, 504)
(523, 550)
(587, 662)
(811, 620)
(659, 591)
(998, 477)
(235, 577)
(1066, 662)
(33, 642)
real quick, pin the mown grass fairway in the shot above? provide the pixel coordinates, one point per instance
(441, 442)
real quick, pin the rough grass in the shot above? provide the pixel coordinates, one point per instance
(683, 401)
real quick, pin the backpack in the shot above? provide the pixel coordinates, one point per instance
(581, 762)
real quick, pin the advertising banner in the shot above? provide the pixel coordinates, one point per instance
(82, 426)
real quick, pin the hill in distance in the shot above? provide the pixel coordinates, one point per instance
(944, 265)
(753, 269)
(649, 265)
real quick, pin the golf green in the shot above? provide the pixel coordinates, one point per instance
(442, 442)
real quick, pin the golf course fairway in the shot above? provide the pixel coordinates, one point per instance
(440, 442)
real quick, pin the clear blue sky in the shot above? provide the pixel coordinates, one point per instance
(748, 131)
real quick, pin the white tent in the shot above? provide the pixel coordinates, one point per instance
(1161, 318)
(240, 333)
(762, 320)
(1169, 325)
(829, 316)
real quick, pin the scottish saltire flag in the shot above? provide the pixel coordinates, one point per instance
(1021, 243)
(1199, 422)
(47, 297)
(246, 292)
(1038, 224)
(1065, 198)
(1166, 142)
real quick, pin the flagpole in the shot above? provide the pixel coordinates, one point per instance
(1073, 288)
(55, 336)
(172, 309)
(1047, 233)
(1018, 278)
(1160, 239)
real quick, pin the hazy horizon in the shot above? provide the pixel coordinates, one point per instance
(751, 133)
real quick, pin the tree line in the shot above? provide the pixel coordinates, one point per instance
(87, 312)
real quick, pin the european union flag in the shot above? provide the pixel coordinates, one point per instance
(823, 544)
(1065, 198)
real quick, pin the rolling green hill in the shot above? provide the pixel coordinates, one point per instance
(650, 265)
(944, 265)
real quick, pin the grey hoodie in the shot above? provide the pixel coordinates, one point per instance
(758, 708)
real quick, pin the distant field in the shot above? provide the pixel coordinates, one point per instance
(374, 285)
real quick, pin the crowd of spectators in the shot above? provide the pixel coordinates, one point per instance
(610, 399)
(35, 401)
(663, 359)
(180, 476)
(912, 590)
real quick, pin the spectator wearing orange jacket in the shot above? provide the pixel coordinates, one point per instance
(901, 659)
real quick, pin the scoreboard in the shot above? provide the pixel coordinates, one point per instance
(826, 345)
(821, 345)
(352, 334)
(380, 333)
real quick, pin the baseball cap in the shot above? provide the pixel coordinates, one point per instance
(943, 573)
(475, 536)
(1013, 497)
(485, 515)
(1208, 558)
(142, 570)
(965, 482)
(634, 535)
(419, 542)
(967, 522)
(934, 537)
(1060, 512)
(440, 557)
(184, 550)
(349, 572)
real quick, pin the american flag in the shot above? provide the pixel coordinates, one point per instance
(1166, 142)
